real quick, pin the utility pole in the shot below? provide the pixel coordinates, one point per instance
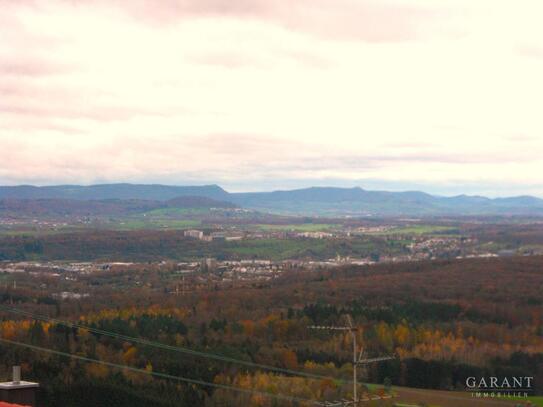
(353, 331)
(357, 360)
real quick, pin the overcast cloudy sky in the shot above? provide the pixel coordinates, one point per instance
(440, 95)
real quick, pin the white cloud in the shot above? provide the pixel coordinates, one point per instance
(401, 91)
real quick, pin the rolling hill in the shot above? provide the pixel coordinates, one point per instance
(56, 207)
(150, 192)
(358, 201)
(308, 201)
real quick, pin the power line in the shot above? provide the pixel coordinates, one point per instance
(158, 374)
(357, 360)
(146, 342)
(203, 354)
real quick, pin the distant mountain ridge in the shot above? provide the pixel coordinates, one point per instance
(309, 201)
(153, 192)
(358, 201)
(102, 207)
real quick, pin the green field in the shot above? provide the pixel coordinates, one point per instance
(275, 249)
(39, 231)
(299, 227)
(535, 400)
(175, 212)
(135, 224)
(413, 397)
(420, 230)
(322, 249)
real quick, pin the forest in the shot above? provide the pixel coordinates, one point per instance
(140, 245)
(442, 321)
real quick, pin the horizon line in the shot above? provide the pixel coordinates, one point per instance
(84, 185)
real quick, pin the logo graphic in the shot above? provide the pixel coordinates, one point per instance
(500, 387)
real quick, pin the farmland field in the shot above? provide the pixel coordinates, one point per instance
(410, 397)
(421, 230)
(303, 227)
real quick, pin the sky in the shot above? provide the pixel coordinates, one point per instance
(444, 96)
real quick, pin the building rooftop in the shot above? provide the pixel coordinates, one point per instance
(17, 385)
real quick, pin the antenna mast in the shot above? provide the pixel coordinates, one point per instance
(357, 360)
